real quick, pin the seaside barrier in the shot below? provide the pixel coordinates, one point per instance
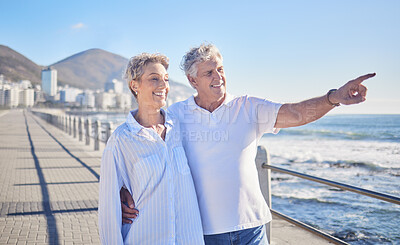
(267, 193)
(80, 127)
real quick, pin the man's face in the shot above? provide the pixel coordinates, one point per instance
(210, 82)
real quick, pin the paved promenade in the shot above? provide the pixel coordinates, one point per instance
(49, 187)
(48, 184)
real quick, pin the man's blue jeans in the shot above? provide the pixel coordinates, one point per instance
(256, 235)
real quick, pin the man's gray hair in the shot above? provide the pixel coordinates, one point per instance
(135, 68)
(197, 55)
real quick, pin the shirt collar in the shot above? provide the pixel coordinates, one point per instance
(135, 127)
(226, 102)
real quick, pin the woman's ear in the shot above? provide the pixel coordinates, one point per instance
(133, 85)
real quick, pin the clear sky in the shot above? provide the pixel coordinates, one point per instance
(285, 51)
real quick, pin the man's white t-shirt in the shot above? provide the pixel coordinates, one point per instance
(221, 148)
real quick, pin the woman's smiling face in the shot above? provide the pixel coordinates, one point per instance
(153, 87)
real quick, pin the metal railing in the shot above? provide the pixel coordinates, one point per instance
(91, 132)
(365, 192)
(263, 162)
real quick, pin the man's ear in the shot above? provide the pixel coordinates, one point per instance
(192, 81)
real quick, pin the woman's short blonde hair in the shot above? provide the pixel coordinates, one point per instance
(135, 68)
(204, 52)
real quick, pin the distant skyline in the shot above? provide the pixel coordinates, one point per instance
(284, 51)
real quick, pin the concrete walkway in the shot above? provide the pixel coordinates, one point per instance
(49, 187)
(49, 184)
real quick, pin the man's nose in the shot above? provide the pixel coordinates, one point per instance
(217, 75)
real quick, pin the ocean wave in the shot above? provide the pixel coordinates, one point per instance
(319, 195)
(341, 134)
(361, 237)
(351, 164)
(334, 163)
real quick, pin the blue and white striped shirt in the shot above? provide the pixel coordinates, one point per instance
(157, 175)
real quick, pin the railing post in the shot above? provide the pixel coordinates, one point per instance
(96, 135)
(80, 129)
(70, 125)
(109, 128)
(88, 128)
(60, 122)
(51, 119)
(74, 126)
(66, 124)
(264, 176)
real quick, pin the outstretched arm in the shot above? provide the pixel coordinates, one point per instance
(297, 114)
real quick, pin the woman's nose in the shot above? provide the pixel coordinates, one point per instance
(164, 82)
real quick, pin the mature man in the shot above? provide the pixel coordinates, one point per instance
(220, 136)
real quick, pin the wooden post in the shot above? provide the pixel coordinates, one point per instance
(264, 176)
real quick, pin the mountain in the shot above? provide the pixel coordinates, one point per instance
(90, 69)
(94, 67)
(14, 66)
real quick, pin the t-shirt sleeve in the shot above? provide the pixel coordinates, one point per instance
(266, 113)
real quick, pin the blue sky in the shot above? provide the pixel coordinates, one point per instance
(281, 50)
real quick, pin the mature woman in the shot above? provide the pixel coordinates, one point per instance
(145, 155)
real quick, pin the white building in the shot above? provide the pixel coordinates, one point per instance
(114, 85)
(27, 97)
(86, 98)
(49, 81)
(3, 96)
(68, 94)
(25, 84)
(12, 96)
(124, 101)
(105, 100)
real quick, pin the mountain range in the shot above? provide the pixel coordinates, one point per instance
(89, 69)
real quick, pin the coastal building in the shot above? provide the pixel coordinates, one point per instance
(25, 84)
(86, 99)
(11, 96)
(68, 95)
(27, 97)
(105, 100)
(49, 81)
(124, 101)
(2, 96)
(114, 85)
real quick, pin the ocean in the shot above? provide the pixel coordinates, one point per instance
(359, 150)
